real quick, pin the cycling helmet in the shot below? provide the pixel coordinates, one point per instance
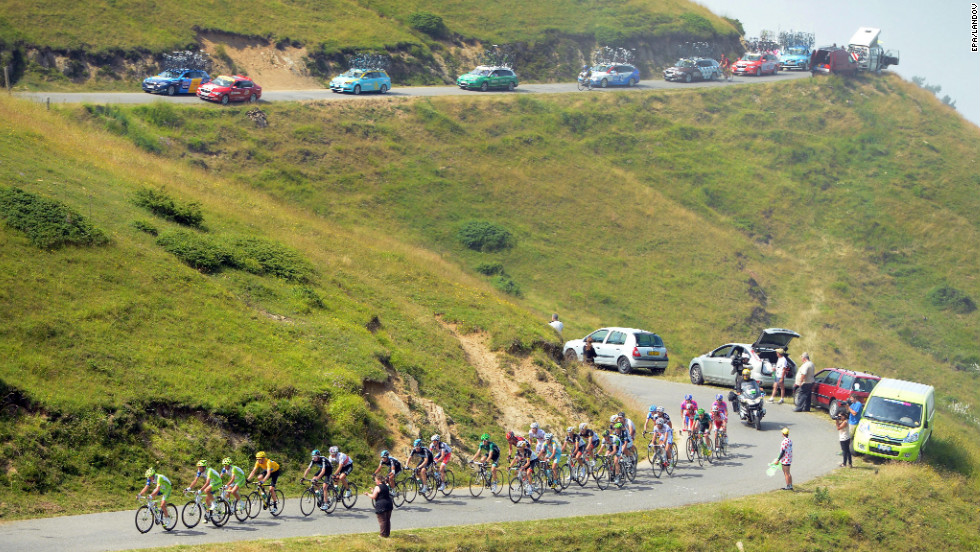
(785, 431)
(653, 408)
(226, 461)
(259, 455)
(334, 450)
(719, 397)
(621, 414)
(618, 426)
(417, 443)
(700, 412)
(315, 453)
(570, 429)
(534, 425)
(548, 436)
(523, 444)
(688, 397)
(150, 472)
(747, 373)
(434, 437)
(584, 67)
(510, 435)
(485, 437)
(660, 409)
(384, 454)
(202, 463)
(605, 433)
(612, 419)
(714, 408)
(583, 426)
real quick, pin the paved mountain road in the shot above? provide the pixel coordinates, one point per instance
(397, 92)
(742, 473)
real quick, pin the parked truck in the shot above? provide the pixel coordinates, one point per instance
(868, 53)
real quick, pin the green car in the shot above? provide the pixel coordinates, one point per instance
(485, 78)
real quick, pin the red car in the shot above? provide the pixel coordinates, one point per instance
(226, 89)
(834, 385)
(757, 64)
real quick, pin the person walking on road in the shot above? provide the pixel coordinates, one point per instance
(804, 384)
(779, 376)
(557, 325)
(383, 505)
(845, 440)
(786, 458)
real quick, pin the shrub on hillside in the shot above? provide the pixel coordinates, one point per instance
(950, 298)
(485, 236)
(429, 24)
(49, 224)
(195, 250)
(260, 256)
(490, 269)
(164, 206)
(507, 285)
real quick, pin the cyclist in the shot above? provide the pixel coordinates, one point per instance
(324, 469)
(393, 465)
(664, 436)
(270, 472)
(441, 454)
(552, 455)
(718, 420)
(613, 447)
(524, 461)
(586, 75)
(212, 480)
(702, 428)
(161, 486)
(574, 444)
(590, 438)
(536, 432)
(620, 431)
(425, 460)
(513, 440)
(236, 477)
(722, 407)
(688, 409)
(630, 430)
(664, 417)
(490, 454)
(344, 466)
(651, 416)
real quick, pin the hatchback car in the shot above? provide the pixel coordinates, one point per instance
(617, 74)
(716, 366)
(176, 81)
(226, 89)
(833, 386)
(757, 64)
(356, 81)
(795, 57)
(622, 348)
(688, 70)
(485, 78)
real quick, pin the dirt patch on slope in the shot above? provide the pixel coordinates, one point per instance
(274, 67)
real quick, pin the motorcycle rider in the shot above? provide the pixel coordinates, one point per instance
(746, 377)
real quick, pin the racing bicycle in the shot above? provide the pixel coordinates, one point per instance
(484, 478)
(150, 514)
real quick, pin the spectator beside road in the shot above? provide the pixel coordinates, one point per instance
(589, 351)
(845, 440)
(779, 376)
(786, 458)
(804, 383)
(854, 411)
(557, 325)
(383, 505)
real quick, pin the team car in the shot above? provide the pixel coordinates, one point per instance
(176, 81)
(356, 81)
(795, 57)
(688, 70)
(224, 89)
(484, 77)
(615, 74)
(757, 64)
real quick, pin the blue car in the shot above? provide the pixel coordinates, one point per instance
(615, 74)
(795, 57)
(176, 81)
(356, 81)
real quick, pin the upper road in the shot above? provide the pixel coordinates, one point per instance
(398, 92)
(742, 473)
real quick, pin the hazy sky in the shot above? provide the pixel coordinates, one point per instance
(932, 37)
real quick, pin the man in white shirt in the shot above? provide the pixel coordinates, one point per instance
(556, 324)
(804, 383)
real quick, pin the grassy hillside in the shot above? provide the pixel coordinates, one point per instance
(105, 26)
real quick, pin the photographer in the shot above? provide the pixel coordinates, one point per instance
(845, 440)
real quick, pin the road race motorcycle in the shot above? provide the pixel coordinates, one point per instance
(748, 403)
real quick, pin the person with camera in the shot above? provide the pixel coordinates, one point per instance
(845, 439)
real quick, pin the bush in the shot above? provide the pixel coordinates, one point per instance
(144, 226)
(490, 269)
(949, 298)
(164, 206)
(160, 114)
(49, 224)
(259, 256)
(195, 250)
(429, 24)
(485, 236)
(507, 285)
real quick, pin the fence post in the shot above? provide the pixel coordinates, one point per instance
(6, 77)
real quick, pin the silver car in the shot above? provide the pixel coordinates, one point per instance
(716, 366)
(622, 348)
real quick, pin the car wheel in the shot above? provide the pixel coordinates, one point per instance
(484, 87)
(623, 365)
(224, 99)
(687, 77)
(171, 90)
(357, 89)
(570, 356)
(510, 86)
(253, 98)
(696, 377)
(834, 408)
(604, 83)
(384, 88)
(631, 82)
(805, 67)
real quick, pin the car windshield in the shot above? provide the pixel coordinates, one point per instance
(796, 51)
(645, 339)
(224, 81)
(354, 73)
(481, 72)
(894, 411)
(170, 74)
(752, 57)
(684, 63)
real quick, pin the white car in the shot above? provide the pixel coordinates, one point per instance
(716, 366)
(622, 348)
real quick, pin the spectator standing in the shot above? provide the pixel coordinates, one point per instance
(779, 376)
(804, 382)
(383, 505)
(786, 458)
(845, 440)
(557, 325)
(854, 414)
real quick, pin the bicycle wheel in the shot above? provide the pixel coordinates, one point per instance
(537, 486)
(651, 452)
(349, 497)
(582, 474)
(398, 494)
(277, 504)
(411, 489)
(631, 467)
(516, 488)
(601, 477)
(144, 519)
(170, 521)
(496, 483)
(221, 512)
(692, 449)
(657, 463)
(478, 480)
(307, 502)
(724, 444)
(191, 514)
(672, 462)
(697, 454)
(449, 483)
(331, 499)
(254, 504)
(240, 507)
(565, 476)
(431, 488)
